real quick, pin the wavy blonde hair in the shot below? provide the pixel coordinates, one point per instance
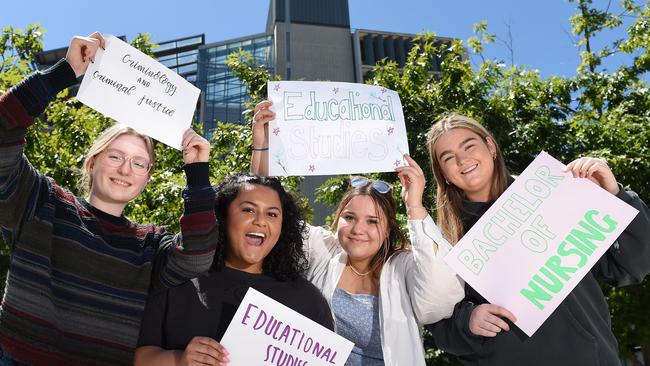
(449, 198)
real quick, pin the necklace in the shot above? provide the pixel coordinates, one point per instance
(357, 272)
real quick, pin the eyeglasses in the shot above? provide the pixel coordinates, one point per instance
(115, 159)
(380, 186)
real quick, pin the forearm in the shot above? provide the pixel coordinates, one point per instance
(190, 253)
(29, 98)
(19, 181)
(152, 355)
(433, 287)
(453, 335)
(260, 162)
(628, 260)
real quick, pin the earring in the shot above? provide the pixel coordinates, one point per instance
(446, 181)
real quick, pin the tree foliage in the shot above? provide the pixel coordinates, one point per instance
(594, 112)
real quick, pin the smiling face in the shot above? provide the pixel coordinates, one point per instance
(254, 224)
(467, 162)
(361, 229)
(114, 186)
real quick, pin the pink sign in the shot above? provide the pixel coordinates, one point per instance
(538, 240)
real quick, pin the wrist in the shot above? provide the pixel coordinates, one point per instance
(264, 148)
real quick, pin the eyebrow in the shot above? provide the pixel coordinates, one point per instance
(460, 145)
(352, 213)
(256, 205)
(125, 154)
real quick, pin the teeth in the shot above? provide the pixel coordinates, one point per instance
(469, 169)
(120, 182)
(259, 235)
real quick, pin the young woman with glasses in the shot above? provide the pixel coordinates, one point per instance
(380, 288)
(80, 271)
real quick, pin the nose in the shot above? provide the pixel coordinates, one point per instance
(460, 157)
(259, 219)
(357, 227)
(125, 167)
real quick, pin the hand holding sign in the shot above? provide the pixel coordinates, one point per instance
(196, 149)
(278, 335)
(486, 320)
(132, 88)
(204, 351)
(263, 115)
(82, 50)
(325, 128)
(541, 237)
(596, 170)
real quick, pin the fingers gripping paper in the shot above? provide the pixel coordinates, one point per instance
(132, 88)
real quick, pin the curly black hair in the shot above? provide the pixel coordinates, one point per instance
(287, 260)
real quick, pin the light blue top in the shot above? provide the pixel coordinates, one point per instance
(357, 319)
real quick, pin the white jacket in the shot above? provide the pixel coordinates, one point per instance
(416, 287)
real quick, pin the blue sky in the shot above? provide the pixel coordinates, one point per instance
(541, 32)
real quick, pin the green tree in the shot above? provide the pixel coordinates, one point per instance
(594, 112)
(57, 144)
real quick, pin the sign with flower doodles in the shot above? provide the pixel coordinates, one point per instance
(324, 128)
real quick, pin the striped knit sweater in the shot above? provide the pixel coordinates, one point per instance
(79, 277)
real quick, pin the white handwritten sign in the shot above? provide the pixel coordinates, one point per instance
(334, 128)
(265, 332)
(538, 240)
(132, 88)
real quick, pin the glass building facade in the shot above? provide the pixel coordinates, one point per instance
(223, 94)
(181, 55)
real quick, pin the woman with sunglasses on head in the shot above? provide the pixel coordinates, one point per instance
(470, 175)
(381, 290)
(259, 246)
(80, 271)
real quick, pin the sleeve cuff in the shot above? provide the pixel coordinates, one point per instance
(625, 195)
(428, 227)
(198, 175)
(59, 76)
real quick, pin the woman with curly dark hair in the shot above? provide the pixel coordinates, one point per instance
(259, 246)
(381, 287)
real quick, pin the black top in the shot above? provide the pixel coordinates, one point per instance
(579, 331)
(205, 306)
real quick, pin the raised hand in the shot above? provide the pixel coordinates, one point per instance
(263, 115)
(196, 149)
(596, 170)
(413, 185)
(486, 320)
(82, 50)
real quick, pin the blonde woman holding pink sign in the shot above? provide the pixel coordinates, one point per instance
(381, 287)
(470, 175)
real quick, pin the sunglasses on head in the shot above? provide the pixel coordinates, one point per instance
(380, 186)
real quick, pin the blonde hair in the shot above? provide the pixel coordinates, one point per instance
(102, 142)
(449, 198)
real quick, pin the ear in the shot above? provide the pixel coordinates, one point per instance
(492, 146)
